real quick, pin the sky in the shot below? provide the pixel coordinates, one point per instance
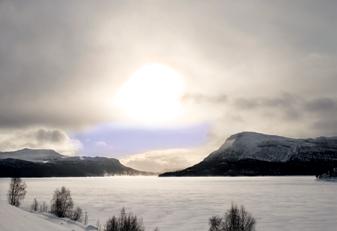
(161, 84)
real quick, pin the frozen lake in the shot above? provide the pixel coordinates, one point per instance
(185, 204)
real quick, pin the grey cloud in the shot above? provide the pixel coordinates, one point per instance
(286, 105)
(45, 49)
(285, 115)
(62, 61)
(38, 138)
(322, 104)
(284, 100)
(54, 136)
(203, 98)
(327, 127)
(295, 107)
(167, 160)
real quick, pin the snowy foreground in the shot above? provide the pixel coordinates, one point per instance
(16, 219)
(183, 204)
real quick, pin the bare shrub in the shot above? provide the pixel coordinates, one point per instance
(62, 203)
(85, 218)
(77, 214)
(215, 223)
(16, 192)
(124, 222)
(98, 225)
(43, 207)
(35, 205)
(235, 219)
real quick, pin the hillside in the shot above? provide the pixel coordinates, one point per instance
(48, 163)
(250, 153)
(16, 219)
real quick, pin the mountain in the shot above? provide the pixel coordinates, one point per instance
(34, 155)
(251, 153)
(48, 163)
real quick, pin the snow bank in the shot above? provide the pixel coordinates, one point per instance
(16, 219)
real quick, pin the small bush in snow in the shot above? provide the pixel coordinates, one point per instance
(16, 192)
(62, 203)
(235, 219)
(124, 222)
(77, 214)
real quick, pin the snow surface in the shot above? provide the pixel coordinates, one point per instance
(185, 204)
(16, 219)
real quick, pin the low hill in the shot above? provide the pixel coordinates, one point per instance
(48, 163)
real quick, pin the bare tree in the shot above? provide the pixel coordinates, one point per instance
(35, 205)
(235, 219)
(62, 203)
(43, 207)
(16, 192)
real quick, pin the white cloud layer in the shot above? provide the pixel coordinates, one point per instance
(40, 139)
(167, 160)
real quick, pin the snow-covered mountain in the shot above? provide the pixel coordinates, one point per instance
(252, 145)
(33, 155)
(251, 153)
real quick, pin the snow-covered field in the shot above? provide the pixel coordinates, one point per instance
(16, 219)
(185, 204)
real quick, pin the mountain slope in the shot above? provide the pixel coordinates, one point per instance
(34, 155)
(250, 153)
(48, 163)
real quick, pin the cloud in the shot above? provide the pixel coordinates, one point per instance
(286, 105)
(62, 70)
(289, 115)
(39, 138)
(166, 160)
(321, 105)
(202, 98)
(61, 63)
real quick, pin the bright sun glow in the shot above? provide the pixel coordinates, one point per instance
(152, 95)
